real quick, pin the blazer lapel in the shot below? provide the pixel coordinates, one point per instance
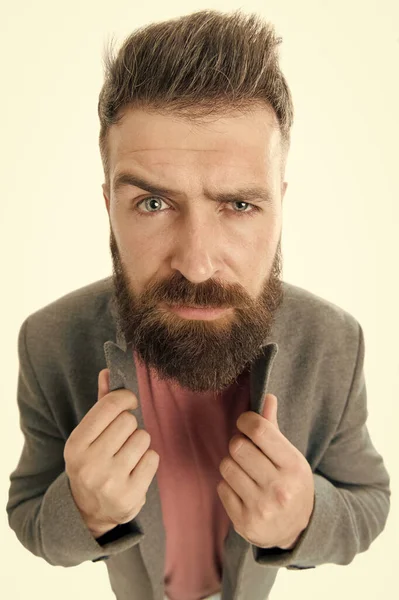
(235, 547)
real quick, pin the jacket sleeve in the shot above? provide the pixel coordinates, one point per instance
(352, 494)
(40, 508)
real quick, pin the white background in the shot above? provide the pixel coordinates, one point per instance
(340, 218)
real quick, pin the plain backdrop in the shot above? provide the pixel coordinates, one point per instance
(340, 218)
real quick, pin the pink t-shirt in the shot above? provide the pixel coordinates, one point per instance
(191, 433)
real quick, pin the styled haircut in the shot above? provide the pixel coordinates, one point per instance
(196, 67)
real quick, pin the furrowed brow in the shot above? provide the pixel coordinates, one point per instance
(125, 179)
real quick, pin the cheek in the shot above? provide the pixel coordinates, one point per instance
(142, 256)
(261, 245)
(135, 243)
(262, 253)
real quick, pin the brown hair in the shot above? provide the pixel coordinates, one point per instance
(195, 66)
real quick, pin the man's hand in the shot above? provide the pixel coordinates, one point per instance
(267, 488)
(108, 460)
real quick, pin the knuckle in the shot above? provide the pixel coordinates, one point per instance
(263, 508)
(258, 431)
(153, 456)
(226, 464)
(130, 419)
(70, 456)
(236, 444)
(144, 436)
(302, 467)
(85, 475)
(67, 453)
(281, 493)
(139, 505)
(107, 487)
(111, 401)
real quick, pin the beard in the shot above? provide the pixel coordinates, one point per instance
(199, 355)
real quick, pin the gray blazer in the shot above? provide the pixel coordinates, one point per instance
(312, 362)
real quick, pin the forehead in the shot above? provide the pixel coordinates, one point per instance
(249, 141)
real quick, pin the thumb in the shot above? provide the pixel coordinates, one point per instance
(103, 383)
(270, 409)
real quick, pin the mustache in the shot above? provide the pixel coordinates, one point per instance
(178, 291)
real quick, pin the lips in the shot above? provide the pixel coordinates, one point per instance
(197, 312)
(198, 307)
(206, 307)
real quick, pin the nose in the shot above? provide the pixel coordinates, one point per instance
(196, 247)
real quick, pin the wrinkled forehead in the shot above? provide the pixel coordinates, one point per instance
(252, 138)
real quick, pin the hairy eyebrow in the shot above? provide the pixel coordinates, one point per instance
(126, 178)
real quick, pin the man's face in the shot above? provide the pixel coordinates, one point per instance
(182, 248)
